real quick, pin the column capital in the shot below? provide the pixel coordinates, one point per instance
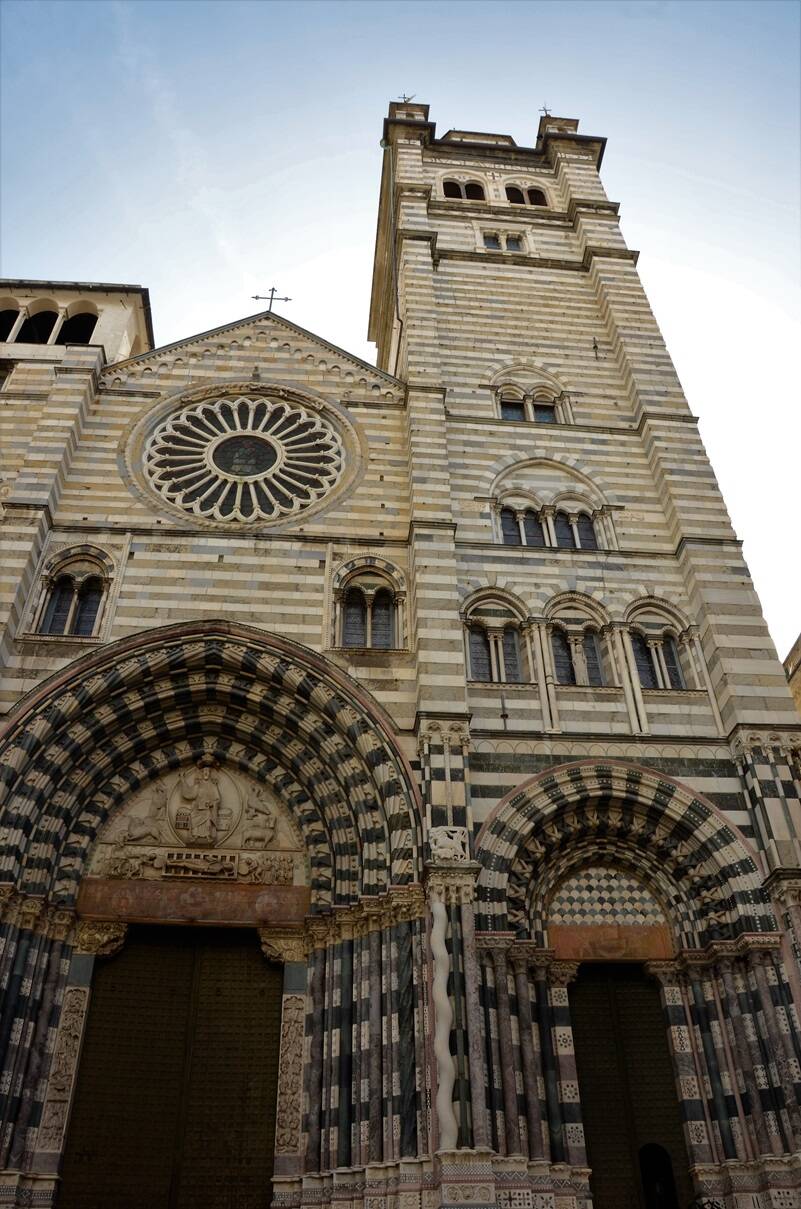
(100, 937)
(283, 944)
(562, 973)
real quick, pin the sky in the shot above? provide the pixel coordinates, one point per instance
(211, 150)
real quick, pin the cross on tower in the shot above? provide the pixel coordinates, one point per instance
(545, 111)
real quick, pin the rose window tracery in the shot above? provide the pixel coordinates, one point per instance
(244, 459)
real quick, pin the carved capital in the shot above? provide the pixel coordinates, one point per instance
(100, 937)
(562, 973)
(667, 973)
(452, 884)
(283, 944)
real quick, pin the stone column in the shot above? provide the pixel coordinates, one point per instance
(508, 1074)
(528, 1057)
(92, 939)
(289, 947)
(447, 1127)
(560, 975)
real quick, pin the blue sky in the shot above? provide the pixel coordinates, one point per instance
(209, 150)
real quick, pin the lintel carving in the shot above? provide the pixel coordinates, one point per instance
(100, 937)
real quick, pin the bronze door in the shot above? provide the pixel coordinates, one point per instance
(632, 1123)
(175, 1102)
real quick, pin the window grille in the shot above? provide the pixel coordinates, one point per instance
(492, 241)
(644, 661)
(514, 243)
(452, 189)
(59, 606)
(536, 197)
(671, 657)
(513, 409)
(354, 627)
(509, 528)
(511, 655)
(586, 532)
(515, 195)
(592, 657)
(544, 413)
(382, 620)
(480, 662)
(89, 598)
(474, 192)
(562, 658)
(532, 527)
(564, 532)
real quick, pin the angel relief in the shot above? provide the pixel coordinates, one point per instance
(202, 822)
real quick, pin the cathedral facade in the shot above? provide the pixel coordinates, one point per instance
(399, 789)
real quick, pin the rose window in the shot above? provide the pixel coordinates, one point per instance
(244, 459)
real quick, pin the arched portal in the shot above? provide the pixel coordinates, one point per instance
(625, 919)
(215, 775)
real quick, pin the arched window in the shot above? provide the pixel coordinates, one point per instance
(37, 328)
(586, 532)
(510, 529)
(564, 531)
(72, 606)
(8, 318)
(515, 195)
(451, 188)
(77, 329)
(564, 670)
(474, 192)
(511, 655)
(480, 661)
(646, 669)
(532, 528)
(354, 622)
(592, 658)
(383, 620)
(536, 197)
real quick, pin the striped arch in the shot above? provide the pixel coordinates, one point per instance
(697, 864)
(80, 745)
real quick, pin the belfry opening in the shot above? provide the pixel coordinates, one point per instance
(400, 796)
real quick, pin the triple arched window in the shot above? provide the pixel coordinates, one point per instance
(45, 322)
(548, 527)
(73, 602)
(471, 191)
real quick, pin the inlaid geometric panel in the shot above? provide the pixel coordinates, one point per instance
(601, 895)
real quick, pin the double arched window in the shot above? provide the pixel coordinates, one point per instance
(495, 649)
(72, 605)
(525, 196)
(547, 527)
(657, 659)
(368, 618)
(471, 191)
(515, 404)
(369, 598)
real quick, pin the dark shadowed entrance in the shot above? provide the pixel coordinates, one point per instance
(633, 1129)
(175, 1102)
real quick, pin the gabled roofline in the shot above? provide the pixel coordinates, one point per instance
(86, 287)
(272, 316)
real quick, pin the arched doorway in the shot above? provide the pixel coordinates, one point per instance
(213, 775)
(175, 1099)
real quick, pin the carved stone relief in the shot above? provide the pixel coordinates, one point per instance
(62, 1069)
(202, 822)
(290, 1076)
(449, 844)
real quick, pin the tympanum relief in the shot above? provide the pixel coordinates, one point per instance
(202, 822)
